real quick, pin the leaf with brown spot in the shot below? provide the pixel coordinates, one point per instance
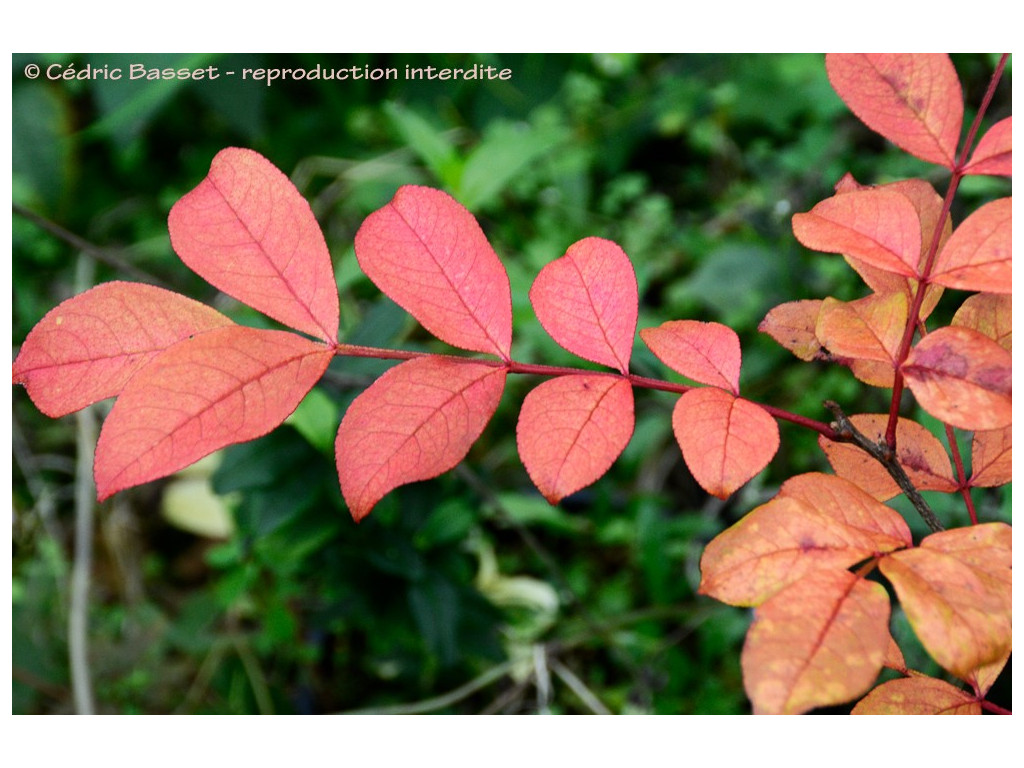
(962, 378)
(912, 99)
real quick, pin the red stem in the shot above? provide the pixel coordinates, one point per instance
(534, 369)
(933, 248)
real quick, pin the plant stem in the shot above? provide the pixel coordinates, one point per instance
(885, 456)
(534, 369)
(933, 249)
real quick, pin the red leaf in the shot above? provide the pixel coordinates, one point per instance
(994, 154)
(89, 346)
(929, 206)
(247, 230)
(912, 99)
(962, 378)
(705, 352)
(820, 641)
(415, 422)
(956, 591)
(725, 440)
(977, 256)
(918, 451)
(990, 314)
(992, 458)
(878, 226)
(917, 695)
(225, 386)
(572, 429)
(428, 253)
(587, 301)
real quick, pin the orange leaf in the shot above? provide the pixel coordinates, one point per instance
(817, 522)
(918, 451)
(587, 301)
(705, 352)
(89, 346)
(792, 325)
(990, 314)
(992, 458)
(572, 429)
(917, 695)
(983, 678)
(246, 230)
(994, 153)
(418, 420)
(725, 440)
(865, 329)
(929, 206)
(977, 257)
(955, 589)
(962, 378)
(428, 253)
(878, 226)
(818, 642)
(912, 99)
(224, 386)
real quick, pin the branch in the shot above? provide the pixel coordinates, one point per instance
(885, 456)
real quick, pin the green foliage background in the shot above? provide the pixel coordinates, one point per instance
(693, 163)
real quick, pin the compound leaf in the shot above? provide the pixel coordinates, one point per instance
(962, 378)
(912, 99)
(247, 231)
(87, 348)
(224, 386)
(428, 253)
(725, 440)
(572, 429)
(587, 301)
(820, 641)
(816, 522)
(705, 352)
(955, 588)
(418, 420)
